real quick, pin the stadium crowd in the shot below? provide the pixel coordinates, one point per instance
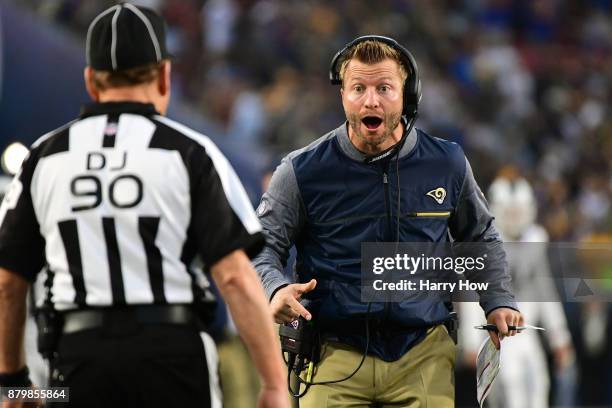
(513, 81)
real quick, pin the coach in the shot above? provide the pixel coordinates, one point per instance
(374, 179)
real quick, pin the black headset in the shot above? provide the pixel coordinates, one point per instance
(412, 86)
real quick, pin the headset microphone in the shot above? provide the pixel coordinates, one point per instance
(395, 149)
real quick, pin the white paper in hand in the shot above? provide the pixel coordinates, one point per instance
(487, 367)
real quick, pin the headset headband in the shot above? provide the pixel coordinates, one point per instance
(412, 86)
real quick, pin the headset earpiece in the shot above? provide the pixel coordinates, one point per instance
(412, 86)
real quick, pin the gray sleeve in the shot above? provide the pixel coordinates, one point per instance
(472, 222)
(282, 216)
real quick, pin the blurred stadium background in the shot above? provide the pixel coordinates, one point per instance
(518, 83)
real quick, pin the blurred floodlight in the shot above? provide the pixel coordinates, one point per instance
(12, 157)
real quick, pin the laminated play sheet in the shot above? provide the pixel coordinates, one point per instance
(487, 367)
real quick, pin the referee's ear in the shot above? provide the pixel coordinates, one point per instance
(163, 79)
(163, 87)
(93, 92)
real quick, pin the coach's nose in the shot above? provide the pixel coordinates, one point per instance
(371, 99)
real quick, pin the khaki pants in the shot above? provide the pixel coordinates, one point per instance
(423, 377)
(239, 380)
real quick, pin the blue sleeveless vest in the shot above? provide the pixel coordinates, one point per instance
(348, 202)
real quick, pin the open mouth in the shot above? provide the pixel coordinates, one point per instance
(371, 122)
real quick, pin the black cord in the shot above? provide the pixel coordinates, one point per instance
(290, 362)
(399, 190)
(399, 194)
(293, 393)
(365, 354)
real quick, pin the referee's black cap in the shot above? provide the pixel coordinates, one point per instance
(125, 36)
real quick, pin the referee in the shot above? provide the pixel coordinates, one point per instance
(116, 206)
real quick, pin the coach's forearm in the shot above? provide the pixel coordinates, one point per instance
(242, 291)
(13, 290)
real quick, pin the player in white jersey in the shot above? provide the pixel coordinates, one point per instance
(117, 206)
(523, 380)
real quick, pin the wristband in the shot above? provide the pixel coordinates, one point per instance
(19, 378)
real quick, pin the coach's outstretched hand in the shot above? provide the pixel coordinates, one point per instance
(286, 305)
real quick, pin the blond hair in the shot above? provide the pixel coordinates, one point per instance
(373, 52)
(144, 74)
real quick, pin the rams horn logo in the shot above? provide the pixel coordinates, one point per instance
(438, 194)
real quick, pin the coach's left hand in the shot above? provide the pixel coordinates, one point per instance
(502, 318)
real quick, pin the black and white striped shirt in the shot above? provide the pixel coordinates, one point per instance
(118, 204)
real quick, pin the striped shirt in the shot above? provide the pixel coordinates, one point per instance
(118, 204)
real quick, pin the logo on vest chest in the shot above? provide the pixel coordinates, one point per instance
(438, 194)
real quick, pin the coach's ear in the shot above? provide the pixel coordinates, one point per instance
(93, 92)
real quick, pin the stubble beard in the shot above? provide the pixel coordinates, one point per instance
(391, 121)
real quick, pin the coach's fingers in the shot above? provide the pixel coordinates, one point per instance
(494, 338)
(300, 310)
(502, 326)
(285, 317)
(290, 313)
(305, 287)
(515, 323)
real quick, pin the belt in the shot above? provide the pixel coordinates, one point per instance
(78, 320)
